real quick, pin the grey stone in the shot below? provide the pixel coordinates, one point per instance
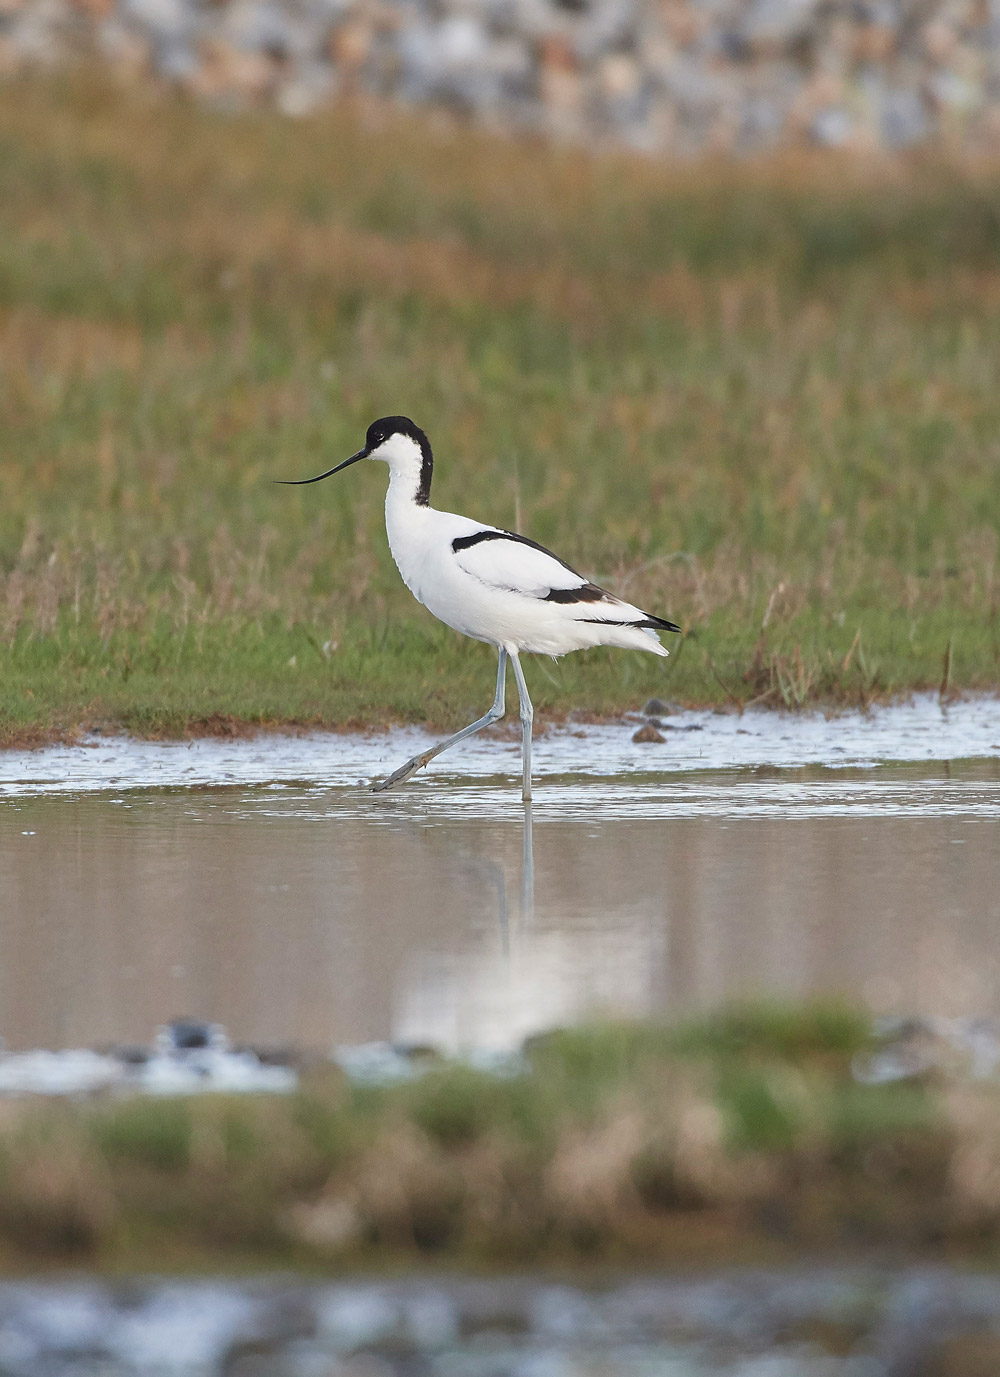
(904, 118)
(683, 76)
(776, 21)
(648, 735)
(832, 127)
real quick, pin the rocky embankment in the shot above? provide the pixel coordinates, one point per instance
(665, 76)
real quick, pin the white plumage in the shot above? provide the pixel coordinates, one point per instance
(490, 584)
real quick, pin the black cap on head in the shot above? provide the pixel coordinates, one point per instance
(381, 430)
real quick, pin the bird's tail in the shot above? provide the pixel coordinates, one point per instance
(652, 641)
(627, 626)
(632, 636)
(649, 622)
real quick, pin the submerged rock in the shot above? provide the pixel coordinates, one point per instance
(647, 735)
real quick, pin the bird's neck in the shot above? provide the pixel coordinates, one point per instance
(410, 473)
(406, 500)
(405, 523)
(411, 483)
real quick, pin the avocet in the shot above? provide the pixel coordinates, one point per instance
(490, 584)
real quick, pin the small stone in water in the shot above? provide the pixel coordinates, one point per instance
(648, 733)
(657, 708)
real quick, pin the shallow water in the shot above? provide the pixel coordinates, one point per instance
(915, 731)
(301, 911)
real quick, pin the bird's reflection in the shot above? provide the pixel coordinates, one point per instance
(485, 991)
(499, 877)
(528, 869)
(495, 874)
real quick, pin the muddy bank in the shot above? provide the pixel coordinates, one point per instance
(920, 729)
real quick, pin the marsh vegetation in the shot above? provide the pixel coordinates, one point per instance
(761, 400)
(747, 1135)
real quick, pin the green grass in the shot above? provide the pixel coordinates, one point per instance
(760, 400)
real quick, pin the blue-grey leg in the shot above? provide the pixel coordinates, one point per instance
(527, 715)
(419, 761)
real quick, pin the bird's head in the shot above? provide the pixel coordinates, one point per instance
(396, 441)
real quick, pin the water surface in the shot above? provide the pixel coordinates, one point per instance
(308, 915)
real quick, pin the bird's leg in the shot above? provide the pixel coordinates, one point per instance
(419, 761)
(527, 715)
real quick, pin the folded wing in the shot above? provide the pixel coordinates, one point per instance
(502, 560)
(515, 564)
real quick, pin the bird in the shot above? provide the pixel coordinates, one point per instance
(488, 583)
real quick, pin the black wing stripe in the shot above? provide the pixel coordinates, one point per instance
(649, 623)
(587, 592)
(477, 538)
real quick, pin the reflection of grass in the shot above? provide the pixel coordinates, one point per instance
(760, 400)
(744, 1131)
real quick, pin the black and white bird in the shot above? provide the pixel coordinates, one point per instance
(488, 583)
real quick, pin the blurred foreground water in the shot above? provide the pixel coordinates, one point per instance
(821, 1322)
